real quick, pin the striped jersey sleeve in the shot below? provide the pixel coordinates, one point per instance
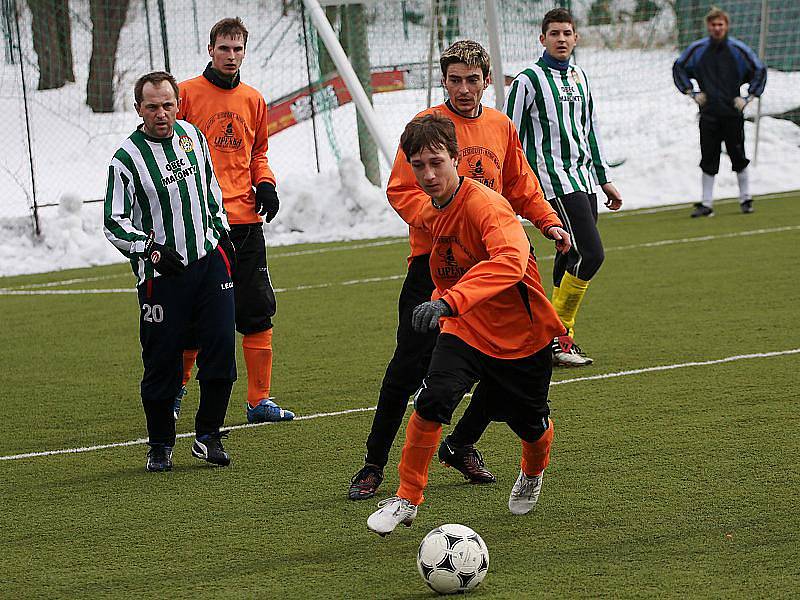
(167, 187)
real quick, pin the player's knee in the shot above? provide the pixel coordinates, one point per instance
(432, 402)
(529, 430)
(591, 262)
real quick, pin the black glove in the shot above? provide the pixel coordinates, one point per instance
(165, 260)
(229, 249)
(267, 200)
(426, 316)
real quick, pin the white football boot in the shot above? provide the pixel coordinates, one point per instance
(391, 513)
(525, 493)
(566, 353)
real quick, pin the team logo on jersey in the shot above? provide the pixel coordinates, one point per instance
(576, 76)
(450, 268)
(225, 131)
(482, 165)
(186, 143)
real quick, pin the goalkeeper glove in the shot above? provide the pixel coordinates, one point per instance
(739, 103)
(699, 97)
(426, 316)
(165, 260)
(267, 200)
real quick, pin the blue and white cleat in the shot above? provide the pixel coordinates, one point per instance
(267, 411)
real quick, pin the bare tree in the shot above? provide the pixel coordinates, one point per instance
(108, 17)
(52, 41)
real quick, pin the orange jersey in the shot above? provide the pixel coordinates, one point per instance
(489, 152)
(483, 267)
(234, 122)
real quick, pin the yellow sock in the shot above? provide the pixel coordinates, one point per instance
(568, 300)
(554, 295)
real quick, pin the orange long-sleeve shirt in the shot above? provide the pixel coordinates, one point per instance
(234, 122)
(489, 152)
(482, 265)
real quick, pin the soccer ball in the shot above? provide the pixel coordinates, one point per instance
(452, 558)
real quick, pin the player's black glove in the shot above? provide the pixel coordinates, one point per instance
(267, 200)
(426, 316)
(229, 249)
(165, 260)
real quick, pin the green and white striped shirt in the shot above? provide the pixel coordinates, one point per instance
(554, 114)
(167, 186)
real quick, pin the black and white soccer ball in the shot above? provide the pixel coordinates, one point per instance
(452, 559)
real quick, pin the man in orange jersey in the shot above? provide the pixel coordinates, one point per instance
(233, 117)
(496, 322)
(490, 153)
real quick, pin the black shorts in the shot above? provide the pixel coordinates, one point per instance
(200, 298)
(510, 390)
(713, 131)
(255, 298)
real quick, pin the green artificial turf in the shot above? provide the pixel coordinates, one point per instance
(680, 482)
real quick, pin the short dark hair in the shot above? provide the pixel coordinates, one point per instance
(557, 15)
(156, 78)
(431, 132)
(231, 26)
(468, 52)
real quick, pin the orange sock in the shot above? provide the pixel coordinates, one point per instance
(536, 455)
(258, 358)
(422, 439)
(189, 358)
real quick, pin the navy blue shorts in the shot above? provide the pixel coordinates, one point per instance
(201, 296)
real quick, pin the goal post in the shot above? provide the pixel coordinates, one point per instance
(349, 76)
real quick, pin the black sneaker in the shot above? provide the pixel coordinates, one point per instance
(365, 483)
(159, 458)
(467, 460)
(209, 448)
(701, 210)
(747, 206)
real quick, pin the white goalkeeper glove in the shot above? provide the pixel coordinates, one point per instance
(739, 103)
(699, 97)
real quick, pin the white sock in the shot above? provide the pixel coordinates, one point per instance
(708, 188)
(744, 185)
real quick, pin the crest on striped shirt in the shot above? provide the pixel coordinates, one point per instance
(186, 143)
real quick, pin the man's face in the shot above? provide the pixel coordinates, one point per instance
(227, 54)
(560, 40)
(435, 171)
(465, 86)
(158, 109)
(717, 28)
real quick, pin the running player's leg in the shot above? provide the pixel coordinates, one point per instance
(578, 212)
(520, 387)
(458, 450)
(403, 377)
(453, 370)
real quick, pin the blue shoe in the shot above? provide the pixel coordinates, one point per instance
(176, 406)
(268, 411)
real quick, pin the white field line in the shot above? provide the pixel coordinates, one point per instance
(27, 291)
(142, 441)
